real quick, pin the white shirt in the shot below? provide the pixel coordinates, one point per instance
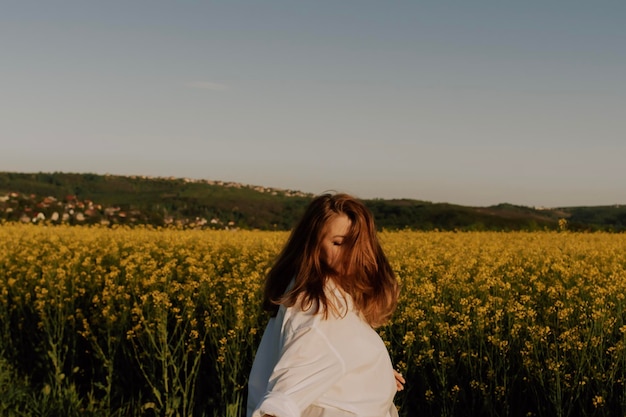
(308, 366)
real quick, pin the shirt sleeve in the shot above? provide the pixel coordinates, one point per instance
(308, 366)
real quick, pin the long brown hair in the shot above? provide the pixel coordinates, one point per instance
(367, 276)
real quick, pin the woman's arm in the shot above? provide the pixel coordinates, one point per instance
(308, 367)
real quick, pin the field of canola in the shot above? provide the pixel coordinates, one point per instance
(146, 322)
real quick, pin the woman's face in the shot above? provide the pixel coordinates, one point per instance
(332, 241)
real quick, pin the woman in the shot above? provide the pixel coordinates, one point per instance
(329, 288)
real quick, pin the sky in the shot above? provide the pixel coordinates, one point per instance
(468, 102)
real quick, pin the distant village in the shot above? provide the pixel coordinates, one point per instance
(71, 210)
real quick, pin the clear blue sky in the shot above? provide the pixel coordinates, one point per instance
(468, 102)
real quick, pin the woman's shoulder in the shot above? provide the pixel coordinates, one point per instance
(339, 302)
(309, 312)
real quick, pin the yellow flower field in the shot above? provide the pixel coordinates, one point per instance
(140, 321)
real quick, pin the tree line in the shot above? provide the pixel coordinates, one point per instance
(114, 199)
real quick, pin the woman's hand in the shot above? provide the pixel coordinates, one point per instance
(399, 380)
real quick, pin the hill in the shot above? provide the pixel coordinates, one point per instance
(112, 199)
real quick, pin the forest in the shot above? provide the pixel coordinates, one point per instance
(75, 198)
